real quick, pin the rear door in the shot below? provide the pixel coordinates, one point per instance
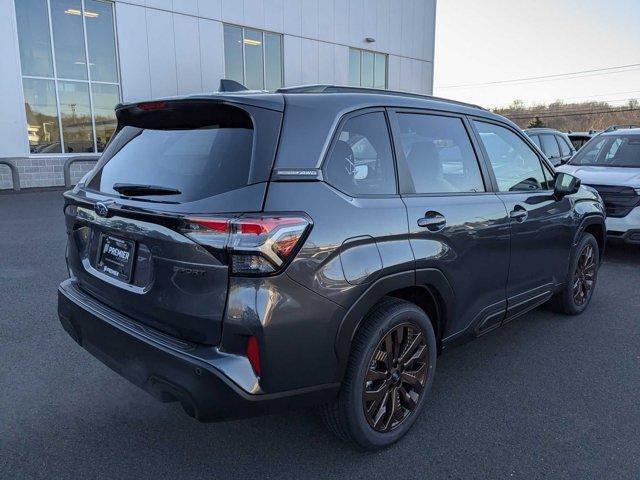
(456, 224)
(168, 162)
(541, 225)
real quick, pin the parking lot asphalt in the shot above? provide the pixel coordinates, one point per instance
(546, 396)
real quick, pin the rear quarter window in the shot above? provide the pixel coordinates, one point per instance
(361, 161)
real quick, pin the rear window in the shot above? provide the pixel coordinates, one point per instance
(201, 151)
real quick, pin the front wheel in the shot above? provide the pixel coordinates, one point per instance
(389, 375)
(575, 296)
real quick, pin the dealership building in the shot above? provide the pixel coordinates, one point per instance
(65, 64)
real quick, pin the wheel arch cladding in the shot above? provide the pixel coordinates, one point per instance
(401, 285)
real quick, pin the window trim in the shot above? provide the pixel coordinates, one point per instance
(544, 163)
(335, 136)
(407, 189)
(264, 59)
(55, 79)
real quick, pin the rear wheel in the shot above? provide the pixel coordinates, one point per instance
(581, 278)
(390, 372)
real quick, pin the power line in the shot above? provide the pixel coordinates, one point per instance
(569, 110)
(552, 104)
(542, 115)
(569, 99)
(597, 71)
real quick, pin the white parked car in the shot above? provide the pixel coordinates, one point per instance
(610, 163)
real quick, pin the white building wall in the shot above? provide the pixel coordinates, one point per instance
(175, 47)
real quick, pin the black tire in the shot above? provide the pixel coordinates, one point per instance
(566, 301)
(407, 324)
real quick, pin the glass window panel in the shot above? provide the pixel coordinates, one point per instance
(75, 112)
(439, 154)
(101, 41)
(105, 98)
(233, 53)
(354, 67)
(550, 146)
(515, 165)
(33, 35)
(564, 146)
(253, 63)
(43, 129)
(273, 61)
(536, 139)
(68, 39)
(380, 72)
(367, 69)
(361, 161)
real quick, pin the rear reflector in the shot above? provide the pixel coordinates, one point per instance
(256, 244)
(253, 354)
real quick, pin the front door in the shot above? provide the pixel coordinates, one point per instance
(541, 225)
(456, 224)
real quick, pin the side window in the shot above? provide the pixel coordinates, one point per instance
(439, 154)
(565, 150)
(515, 165)
(550, 146)
(360, 161)
(536, 139)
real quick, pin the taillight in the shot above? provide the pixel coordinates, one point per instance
(255, 244)
(152, 106)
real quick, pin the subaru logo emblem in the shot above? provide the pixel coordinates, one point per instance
(101, 208)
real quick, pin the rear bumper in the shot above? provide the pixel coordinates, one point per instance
(200, 377)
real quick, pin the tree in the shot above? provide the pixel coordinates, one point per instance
(536, 123)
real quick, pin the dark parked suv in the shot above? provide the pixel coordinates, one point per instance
(555, 145)
(247, 252)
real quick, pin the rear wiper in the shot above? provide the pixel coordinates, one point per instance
(136, 189)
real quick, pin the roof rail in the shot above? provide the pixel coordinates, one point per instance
(613, 128)
(328, 88)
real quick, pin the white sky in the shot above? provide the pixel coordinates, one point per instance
(480, 41)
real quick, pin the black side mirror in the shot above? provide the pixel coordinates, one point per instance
(565, 184)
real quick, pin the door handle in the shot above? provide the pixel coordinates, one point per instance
(519, 214)
(432, 221)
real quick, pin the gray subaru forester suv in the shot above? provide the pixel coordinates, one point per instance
(246, 252)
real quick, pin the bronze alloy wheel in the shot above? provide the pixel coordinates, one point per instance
(396, 377)
(584, 275)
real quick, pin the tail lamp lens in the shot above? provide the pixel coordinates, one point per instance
(257, 245)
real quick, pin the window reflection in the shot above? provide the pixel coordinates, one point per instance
(380, 71)
(43, 129)
(105, 98)
(101, 41)
(273, 61)
(75, 111)
(367, 69)
(354, 67)
(68, 38)
(253, 57)
(233, 53)
(64, 100)
(254, 66)
(33, 36)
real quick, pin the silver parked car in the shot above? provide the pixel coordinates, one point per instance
(610, 163)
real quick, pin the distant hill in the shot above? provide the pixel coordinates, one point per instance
(572, 116)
